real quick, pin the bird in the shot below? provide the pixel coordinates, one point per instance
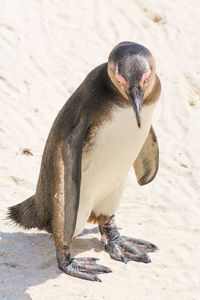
(103, 130)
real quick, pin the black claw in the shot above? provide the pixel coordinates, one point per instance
(124, 259)
(154, 247)
(106, 269)
(146, 259)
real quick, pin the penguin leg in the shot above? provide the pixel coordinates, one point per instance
(123, 248)
(85, 268)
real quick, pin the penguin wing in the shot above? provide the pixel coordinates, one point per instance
(147, 162)
(72, 157)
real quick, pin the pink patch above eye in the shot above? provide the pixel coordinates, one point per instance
(122, 80)
(145, 77)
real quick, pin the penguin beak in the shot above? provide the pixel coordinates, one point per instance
(135, 96)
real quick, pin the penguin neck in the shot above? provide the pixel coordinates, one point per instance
(102, 84)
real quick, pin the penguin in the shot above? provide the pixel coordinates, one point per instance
(102, 131)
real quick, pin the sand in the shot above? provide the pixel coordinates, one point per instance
(47, 48)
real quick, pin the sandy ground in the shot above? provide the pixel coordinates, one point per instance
(47, 48)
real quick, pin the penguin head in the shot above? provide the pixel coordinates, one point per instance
(131, 67)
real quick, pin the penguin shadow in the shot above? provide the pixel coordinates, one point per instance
(82, 243)
(29, 259)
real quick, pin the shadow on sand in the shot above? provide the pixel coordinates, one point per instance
(28, 259)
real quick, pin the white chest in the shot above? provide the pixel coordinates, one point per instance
(117, 145)
(106, 166)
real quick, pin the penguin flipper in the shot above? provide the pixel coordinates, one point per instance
(147, 163)
(72, 157)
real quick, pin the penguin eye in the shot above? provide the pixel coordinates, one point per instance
(145, 79)
(121, 80)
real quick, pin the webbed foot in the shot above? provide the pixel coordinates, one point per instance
(85, 268)
(123, 248)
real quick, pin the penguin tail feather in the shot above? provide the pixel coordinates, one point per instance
(24, 214)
